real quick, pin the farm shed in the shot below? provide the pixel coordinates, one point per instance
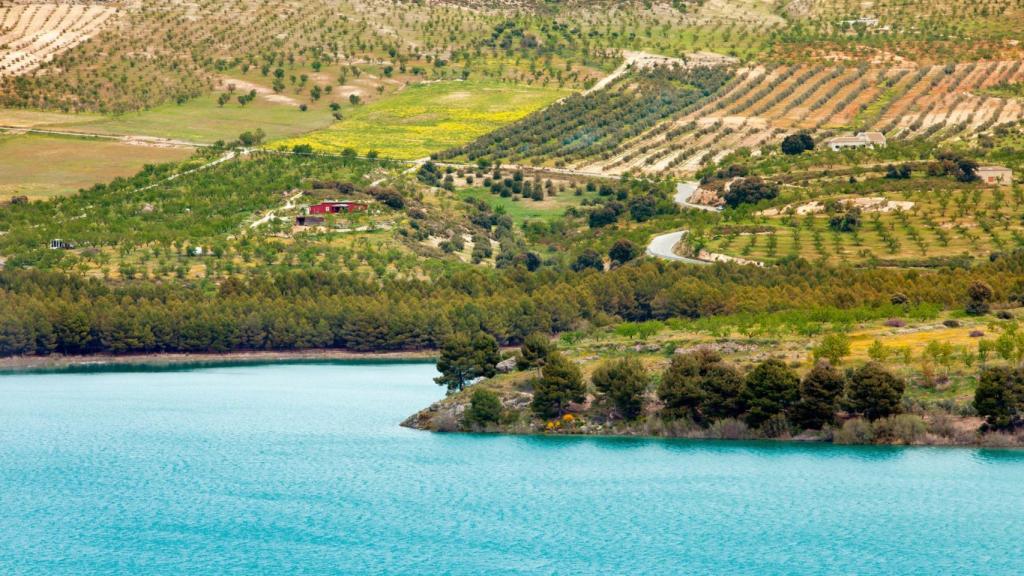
(998, 175)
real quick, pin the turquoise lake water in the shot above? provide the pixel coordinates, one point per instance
(303, 469)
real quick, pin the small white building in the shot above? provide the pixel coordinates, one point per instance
(995, 175)
(861, 140)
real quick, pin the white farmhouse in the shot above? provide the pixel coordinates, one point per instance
(996, 175)
(861, 140)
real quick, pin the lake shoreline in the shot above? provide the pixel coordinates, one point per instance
(446, 416)
(166, 359)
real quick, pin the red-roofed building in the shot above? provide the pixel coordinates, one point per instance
(337, 207)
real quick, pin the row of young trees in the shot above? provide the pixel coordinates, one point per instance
(593, 124)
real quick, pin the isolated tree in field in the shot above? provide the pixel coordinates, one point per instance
(464, 359)
(833, 347)
(978, 296)
(845, 221)
(484, 408)
(624, 382)
(874, 392)
(623, 251)
(247, 139)
(820, 393)
(797, 144)
(769, 390)
(560, 384)
(354, 99)
(534, 351)
(999, 397)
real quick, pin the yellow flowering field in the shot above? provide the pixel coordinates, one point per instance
(426, 118)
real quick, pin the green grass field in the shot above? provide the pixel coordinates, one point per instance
(201, 120)
(523, 209)
(429, 118)
(45, 166)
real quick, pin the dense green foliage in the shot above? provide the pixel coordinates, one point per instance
(750, 191)
(701, 387)
(293, 309)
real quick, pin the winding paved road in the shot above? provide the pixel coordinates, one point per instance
(662, 246)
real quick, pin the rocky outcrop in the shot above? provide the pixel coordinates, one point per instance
(507, 365)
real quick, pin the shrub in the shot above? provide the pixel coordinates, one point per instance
(951, 323)
(729, 429)
(777, 426)
(854, 431)
(588, 259)
(484, 408)
(903, 428)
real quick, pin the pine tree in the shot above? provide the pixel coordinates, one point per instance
(464, 359)
(560, 383)
(533, 352)
(624, 382)
(820, 393)
(875, 392)
(770, 389)
(702, 387)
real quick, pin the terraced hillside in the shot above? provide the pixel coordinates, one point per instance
(902, 30)
(33, 33)
(757, 107)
